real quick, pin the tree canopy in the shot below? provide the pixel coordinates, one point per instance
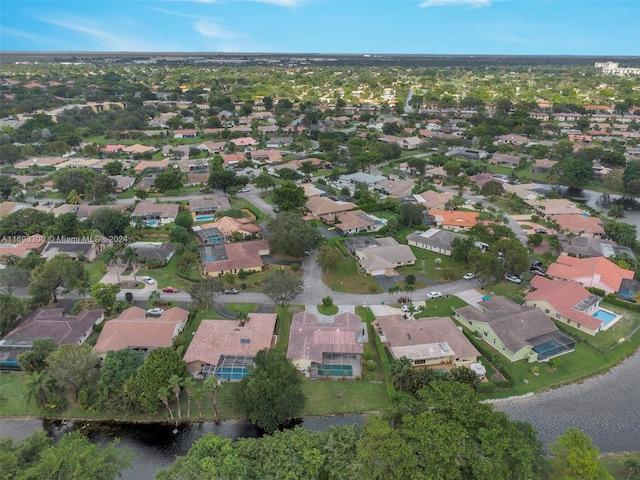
(271, 393)
(282, 287)
(291, 235)
(289, 196)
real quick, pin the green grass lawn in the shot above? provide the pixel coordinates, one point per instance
(326, 397)
(615, 465)
(283, 325)
(427, 266)
(346, 277)
(328, 310)
(440, 307)
(167, 276)
(11, 396)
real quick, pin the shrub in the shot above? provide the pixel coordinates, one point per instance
(243, 285)
(327, 301)
(295, 267)
(555, 362)
(128, 297)
(242, 274)
(410, 280)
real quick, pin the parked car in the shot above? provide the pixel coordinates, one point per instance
(170, 290)
(232, 291)
(542, 230)
(244, 190)
(148, 280)
(537, 272)
(468, 276)
(434, 295)
(405, 307)
(155, 312)
(276, 210)
(513, 278)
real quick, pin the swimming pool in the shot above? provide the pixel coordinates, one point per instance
(151, 223)
(604, 315)
(202, 218)
(231, 373)
(335, 371)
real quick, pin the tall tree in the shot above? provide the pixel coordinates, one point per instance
(35, 360)
(282, 287)
(291, 235)
(105, 295)
(11, 310)
(212, 386)
(117, 368)
(328, 257)
(206, 291)
(60, 271)
(271, 393)
(38, 388)
(289, 196)
(576, 458)
(175, 384)
(74, 367)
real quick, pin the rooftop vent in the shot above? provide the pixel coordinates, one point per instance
(245, 340)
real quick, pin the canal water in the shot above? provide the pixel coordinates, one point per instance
(155, 446)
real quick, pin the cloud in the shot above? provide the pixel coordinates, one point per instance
(173, 13)
(210, 29)
(447, 3)
(108, 41)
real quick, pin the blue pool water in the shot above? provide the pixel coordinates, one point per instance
(335, 371)
(151, 223)
(603, 315)
(230, 373)
(202, 218)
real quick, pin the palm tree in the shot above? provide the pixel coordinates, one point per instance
(187, 384)
(110, 255)
(633, 467)
(175, 385)
(242, 317)
(38, 388)
(163, 395)
(73, 198)
(409, 289)
(130, 258)
(393, 290)
(402, 373)
(212, 386)
(198, 393)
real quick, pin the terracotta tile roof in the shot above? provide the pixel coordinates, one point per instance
(564, 296)
(226, 337)
(132, 329)
(25, 247)
(240, 255)
(164, 210)
(591, 272)
(580, 224)
(323, 205)
(309, 338)
(229, 225)
(425, 331)
(455, 218)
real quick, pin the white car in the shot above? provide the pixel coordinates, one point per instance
(405, 308)
(148, 280)
(434, 295)
(513, 278)
(468, 276)
(155, 312)
(244, 190)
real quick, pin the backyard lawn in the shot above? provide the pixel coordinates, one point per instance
(435, 267)
(346, 277)
(326, 397)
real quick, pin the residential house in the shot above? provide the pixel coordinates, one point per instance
(466, 153)
(505, 160)
(384, 257)
(452, 220)
(481, 178)
(77, 163)
(73, 247)
(138, 149)
(580, 224)
(597, 272)
(434, 240)
(517, 332)
(185, 133)
(153, 214)
(265, 156)
(245, 142)
(310, 190)
(543, 165)
(550, 207)
(84, 211)
(156, 166)
(321, 348)
(220, 258)
(123, 183)
(279, 142)
(134, 329)
(204, 208)
(396, 188)
(362, 177)
(434, 342)
(47, 323)
(570, 303)
(233, 159)
(322, 206)
(39, 162)
(227, 348)
(432, 200)
(215, 148)
(178, 152)
(24, 247)
(195, 179)
(513, 139)
(155, 251)
(229, 228)
(354, 221)
(586, 246)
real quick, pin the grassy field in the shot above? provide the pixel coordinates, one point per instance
(346, 277)
(440, 307)
(167, 276)
(615, 465)
(427, 265)
(328, 310)
(325, 397)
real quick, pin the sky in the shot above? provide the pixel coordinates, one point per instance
(509, 27)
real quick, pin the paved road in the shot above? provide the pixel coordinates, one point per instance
(606, 407)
